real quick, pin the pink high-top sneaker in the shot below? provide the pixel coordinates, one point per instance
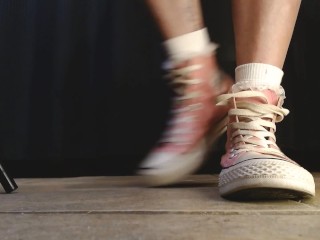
(253, 166)
(184, 144)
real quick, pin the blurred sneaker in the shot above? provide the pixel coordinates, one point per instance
(253, 166)
(195, 124)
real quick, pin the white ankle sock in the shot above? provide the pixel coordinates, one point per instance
(189, 45)
(258, 76)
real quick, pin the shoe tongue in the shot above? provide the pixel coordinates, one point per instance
(272, 97)
(272, 93)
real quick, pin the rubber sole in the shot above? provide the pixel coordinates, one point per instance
(266, 179)
(185, 164)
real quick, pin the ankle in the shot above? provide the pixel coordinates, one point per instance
(189, 45)
(258, 76)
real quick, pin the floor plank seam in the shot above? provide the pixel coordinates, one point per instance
(173, 212)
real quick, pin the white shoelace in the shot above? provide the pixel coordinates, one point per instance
(254, 125)
(180, 81)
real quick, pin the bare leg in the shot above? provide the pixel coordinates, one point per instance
(182, 27)
(177, 17)
(263, 30)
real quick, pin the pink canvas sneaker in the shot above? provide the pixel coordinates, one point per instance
(253, 166)
(184, 144)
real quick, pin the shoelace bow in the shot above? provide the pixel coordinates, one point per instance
(254, 125)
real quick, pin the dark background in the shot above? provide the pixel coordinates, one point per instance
(81, 88)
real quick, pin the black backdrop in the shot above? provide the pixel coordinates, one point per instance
(81, 89)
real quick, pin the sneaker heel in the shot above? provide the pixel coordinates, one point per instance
(7, 182)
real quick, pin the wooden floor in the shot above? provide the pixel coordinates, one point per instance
(120, 208)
